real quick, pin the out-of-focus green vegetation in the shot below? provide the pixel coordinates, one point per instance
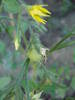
(25, 73)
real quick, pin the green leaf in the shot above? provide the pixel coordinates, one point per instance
(37, 96)
(67, 72)
(6, 18)
(36, 41)
(11, 6)
(73, 83)
(66, 44)
(58, 44)
(32, 85)
(66, 6)
(2, 48)
(60, 92)
(18, 94)
(40, 72)
(53, 69)
(47, 88)
(24, 26)
(0, 2)
(10, 30)
(25, 73)
(74, 54)
(60, 70)
(53, 77)
(26, 79)
(1, 28)
(39, 27)
(4, 81)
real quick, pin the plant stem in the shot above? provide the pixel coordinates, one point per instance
(26, 79)
(60, 42)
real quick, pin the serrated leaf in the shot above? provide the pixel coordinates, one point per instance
(11, 6)
(4, 81)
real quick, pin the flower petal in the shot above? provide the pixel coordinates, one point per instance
(38, 12)
(38, 19)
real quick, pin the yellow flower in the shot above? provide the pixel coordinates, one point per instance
(38, 12)
(16, 42)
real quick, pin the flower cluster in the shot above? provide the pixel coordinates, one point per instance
(38, 12)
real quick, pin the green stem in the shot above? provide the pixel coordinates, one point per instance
(66, 44)
(25, 39)
(7, 90)
(60, 42)
(26, 79)
(24, 72)
(19, 28)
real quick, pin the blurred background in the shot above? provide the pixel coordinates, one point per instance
(62, 62)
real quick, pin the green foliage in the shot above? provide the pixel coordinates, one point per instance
(74, 55)
(47, 88)
(73, 83)
(10, 30)
(44, 79)
(67, 72)
(66, 6)
(2, 27)
(24, 26)
(60, 93)
(2, 48)
(18, 94)
(35, 41)
(39, 28)
(11, 6)
(4, 81)
(37, 96)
